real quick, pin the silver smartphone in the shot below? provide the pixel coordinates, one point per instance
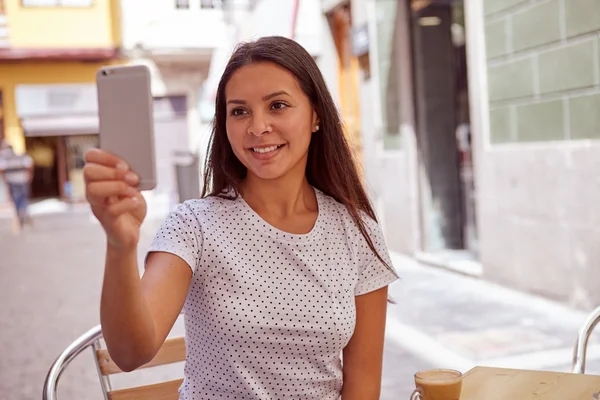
(125, 108)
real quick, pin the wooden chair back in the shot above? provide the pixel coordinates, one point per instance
(172, 351)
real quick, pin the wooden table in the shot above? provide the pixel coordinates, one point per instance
(483, 383)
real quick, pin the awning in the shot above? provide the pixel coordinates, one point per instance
(63, 125)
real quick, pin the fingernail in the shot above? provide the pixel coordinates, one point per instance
(123, 166)
(132, 192)
(131, 178)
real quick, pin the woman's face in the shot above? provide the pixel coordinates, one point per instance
(269, 120)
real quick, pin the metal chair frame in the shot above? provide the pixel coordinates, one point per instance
(583, 337)
(173, 350)
(89, 339)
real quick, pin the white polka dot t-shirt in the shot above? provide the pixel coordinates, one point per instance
(268, 313)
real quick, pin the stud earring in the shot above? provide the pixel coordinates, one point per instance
(316, 128)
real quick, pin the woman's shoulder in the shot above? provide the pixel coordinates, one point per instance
(211, 205)
(333, 207)
(201, 211)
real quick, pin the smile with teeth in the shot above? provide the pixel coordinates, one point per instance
(266, 149)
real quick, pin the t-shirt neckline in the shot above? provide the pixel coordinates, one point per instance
(286, 236)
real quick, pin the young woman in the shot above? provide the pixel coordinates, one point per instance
(280, 268)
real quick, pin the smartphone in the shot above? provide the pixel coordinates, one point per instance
(125, 109)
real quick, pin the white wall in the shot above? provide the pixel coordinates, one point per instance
(310, 30)
(159, 25)
(276, 18)
(270, 18)
(328, 60)
(328, 5)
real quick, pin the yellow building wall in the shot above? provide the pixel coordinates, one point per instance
(97, 26)
(13, 74)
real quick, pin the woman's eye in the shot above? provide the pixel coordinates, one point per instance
(236, 112)
(278, 105)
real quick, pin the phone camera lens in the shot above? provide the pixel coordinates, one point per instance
(104, 73)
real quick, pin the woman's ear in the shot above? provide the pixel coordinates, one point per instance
(315, 122)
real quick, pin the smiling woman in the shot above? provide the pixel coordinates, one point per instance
(279, 268)
(269, 122)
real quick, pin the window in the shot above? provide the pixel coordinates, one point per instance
(75, 3)
(170, 106)
(57, 3)
(212, 4)
(182, 4)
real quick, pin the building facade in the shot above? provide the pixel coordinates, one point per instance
(47, 80)
(480, 136)
(47, 83)
(539, 150)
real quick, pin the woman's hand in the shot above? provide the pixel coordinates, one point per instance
(115, 201)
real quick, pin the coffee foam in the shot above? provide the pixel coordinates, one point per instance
(438, 377)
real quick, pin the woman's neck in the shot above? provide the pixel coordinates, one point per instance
(279, 198)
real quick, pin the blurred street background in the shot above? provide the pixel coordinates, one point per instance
(476, 124)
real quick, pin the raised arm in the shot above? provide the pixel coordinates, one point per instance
(136, 314)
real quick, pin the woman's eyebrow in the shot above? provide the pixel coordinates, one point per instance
(275, 94)
(265, 98)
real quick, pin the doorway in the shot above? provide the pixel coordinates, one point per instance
(76, 146)
(44, 151)
(447, 187)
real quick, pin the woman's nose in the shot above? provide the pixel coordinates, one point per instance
(259, 126)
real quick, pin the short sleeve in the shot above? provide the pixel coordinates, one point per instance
(180, 234)
(372, 273)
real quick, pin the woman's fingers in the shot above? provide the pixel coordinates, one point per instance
(98, 156)
(122, 206)
(111, 187)
(98, 192)
(97, 172)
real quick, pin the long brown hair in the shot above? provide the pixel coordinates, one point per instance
(330, 168)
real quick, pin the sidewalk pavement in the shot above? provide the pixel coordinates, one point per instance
(158, 207)
(455, 321)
